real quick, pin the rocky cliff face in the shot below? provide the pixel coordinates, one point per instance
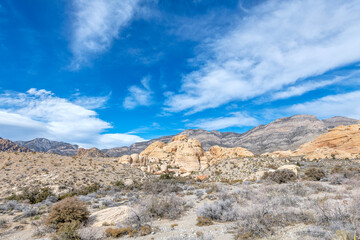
(48, 146)
(9, 146)
(340, 142)
(90, 153)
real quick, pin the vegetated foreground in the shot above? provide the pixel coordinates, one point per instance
(47, 196)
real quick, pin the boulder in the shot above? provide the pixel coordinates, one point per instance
(135, 159)
(110, 215)
(126, 159)
(293, 168)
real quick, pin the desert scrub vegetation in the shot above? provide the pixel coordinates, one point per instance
(314, 174)
(280, 176)
(81, 191)
(67, 213)
(225, 209)
(273, 207)
(164, 186)
(168, 206)
(33, 195)
(203, 221)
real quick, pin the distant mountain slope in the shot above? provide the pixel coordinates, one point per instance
(134, 148)
(338, 121)
(9, 146)
(282, 134)
(48, 146)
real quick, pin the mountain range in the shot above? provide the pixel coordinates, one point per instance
(282, 134)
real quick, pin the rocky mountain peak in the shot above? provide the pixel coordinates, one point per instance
(49, 146)
(9, 146)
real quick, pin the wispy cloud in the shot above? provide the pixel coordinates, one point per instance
(279, 44)
(39, 113)
(139, 95)
(91, 102)
(345, 104)
(96, 24)
(235, 119)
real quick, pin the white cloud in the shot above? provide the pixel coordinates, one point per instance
(277, 45)
(139, 96)
(96, 24)
(333, 105)
(39, 113)
(91, 102)
(237, 119)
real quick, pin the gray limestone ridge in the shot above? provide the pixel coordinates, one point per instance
(48, 146)
(282, 134)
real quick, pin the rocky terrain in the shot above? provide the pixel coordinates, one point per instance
(177, 189)
(9, 146)
(48, 146)
(342, 142)
(90, 153)
(231, 199)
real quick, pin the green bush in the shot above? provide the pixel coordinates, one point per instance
(33, 195)
(165, 176)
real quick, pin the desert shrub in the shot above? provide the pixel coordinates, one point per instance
(314, 174)
(281, 176)
(221, 210)
(33, 195)
(118, 232)
(118, 184)
(334, 214)
(203, 221)
(67, 211)
(138, 218)
(81, 191)
(336, 178)
(165, 176)
(347, 172)
(145, 230)
(68, 231)
(161, 187)
(170, 206)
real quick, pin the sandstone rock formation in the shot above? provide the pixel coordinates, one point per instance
(48, 146)
(181, 153)
(9, 146)
(90, 153)
(216, 154)
(340, 142)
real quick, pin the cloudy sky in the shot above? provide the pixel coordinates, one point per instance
(109, 73)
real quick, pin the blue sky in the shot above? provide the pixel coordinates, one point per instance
(108, 73)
